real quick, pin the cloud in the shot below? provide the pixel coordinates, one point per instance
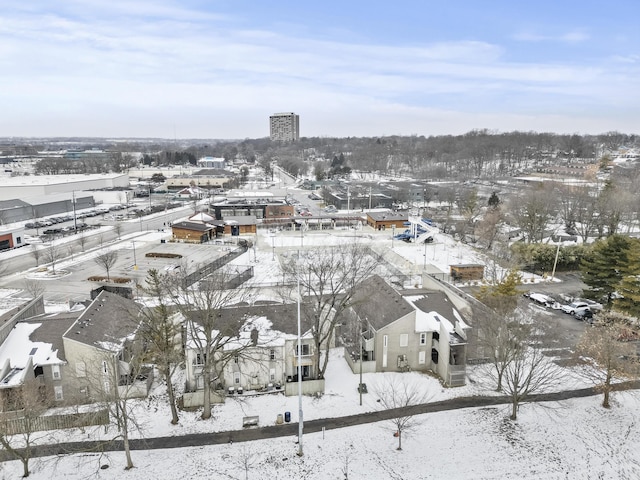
(571, 37)
(134, 65)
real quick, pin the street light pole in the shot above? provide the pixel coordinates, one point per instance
(300, 416)
(75, 219)
(360, 385)
(424, 266)
(273, 246)
(135, 261)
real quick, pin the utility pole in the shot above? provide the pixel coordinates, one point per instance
(300, 415)
(75, 219)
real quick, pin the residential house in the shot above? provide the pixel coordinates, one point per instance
(32, 360)
(257, 352)
(102, 349)
(418, 330)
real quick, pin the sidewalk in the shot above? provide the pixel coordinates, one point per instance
(312, 426)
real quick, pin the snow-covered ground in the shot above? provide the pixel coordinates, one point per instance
(557, 440)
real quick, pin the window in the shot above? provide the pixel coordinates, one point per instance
(55, 370)
(235, 360)
(236, 378)
(81, 369)
(201, 358)
(272, 374)
(305, 349)
(272, 354)
(423, 339)
(434, 356)
(104, 367)
(58, 392)
(436, 336)
(422, 357)
(385, 340)
(18, 240)
(38, 371)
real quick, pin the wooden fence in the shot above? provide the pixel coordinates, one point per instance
(14, 422)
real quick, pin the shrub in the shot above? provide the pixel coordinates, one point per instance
(163, 255)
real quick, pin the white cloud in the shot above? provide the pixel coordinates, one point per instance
(123, 62)
(574, 36)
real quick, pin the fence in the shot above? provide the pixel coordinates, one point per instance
(209, 268)
(229, 282)
(20, 424)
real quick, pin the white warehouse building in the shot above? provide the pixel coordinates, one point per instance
(42, 185)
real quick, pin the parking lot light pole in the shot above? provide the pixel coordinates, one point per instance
(75, 218)
(135, 261)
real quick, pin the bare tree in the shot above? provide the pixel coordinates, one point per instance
(528, 372)
(52, 255)
(501, 337)
(107, 260)
(398, 393)
(117, 228)
(36, 253)
(532, 211)
(163, 334)
(329, 276)
(82, 240)
(487, 229)
(19, 432)
(606, 348)
(33, 287)
(200, 305)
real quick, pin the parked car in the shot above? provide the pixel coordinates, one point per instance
(585, 314)
(541, 299)
(594, 306)
(29, 225)
(573, 307)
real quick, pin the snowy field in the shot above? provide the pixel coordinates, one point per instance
(557, 440)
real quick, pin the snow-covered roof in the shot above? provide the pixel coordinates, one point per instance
(201, 217)
(18, 349)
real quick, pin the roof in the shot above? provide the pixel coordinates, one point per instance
(37, 341)
(106, 323)
(275, 322)
(199, 227)
(434, 311)
(201, 217)
(388, 216)
(241, 220)
(378, 302)
(52, 328)
(13, 203)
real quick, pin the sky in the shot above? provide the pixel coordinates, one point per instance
(218, 69)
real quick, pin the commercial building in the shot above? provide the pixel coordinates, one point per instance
(284, 127)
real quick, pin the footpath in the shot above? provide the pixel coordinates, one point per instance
(310, 426)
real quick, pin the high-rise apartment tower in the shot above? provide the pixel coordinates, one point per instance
(284, 127)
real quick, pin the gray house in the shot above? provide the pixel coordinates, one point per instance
(260, 353)
(417, 330)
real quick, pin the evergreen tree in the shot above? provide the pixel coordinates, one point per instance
(494, 201)
(629, 287)
(604, 268)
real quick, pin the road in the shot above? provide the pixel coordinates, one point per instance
(16, 263)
